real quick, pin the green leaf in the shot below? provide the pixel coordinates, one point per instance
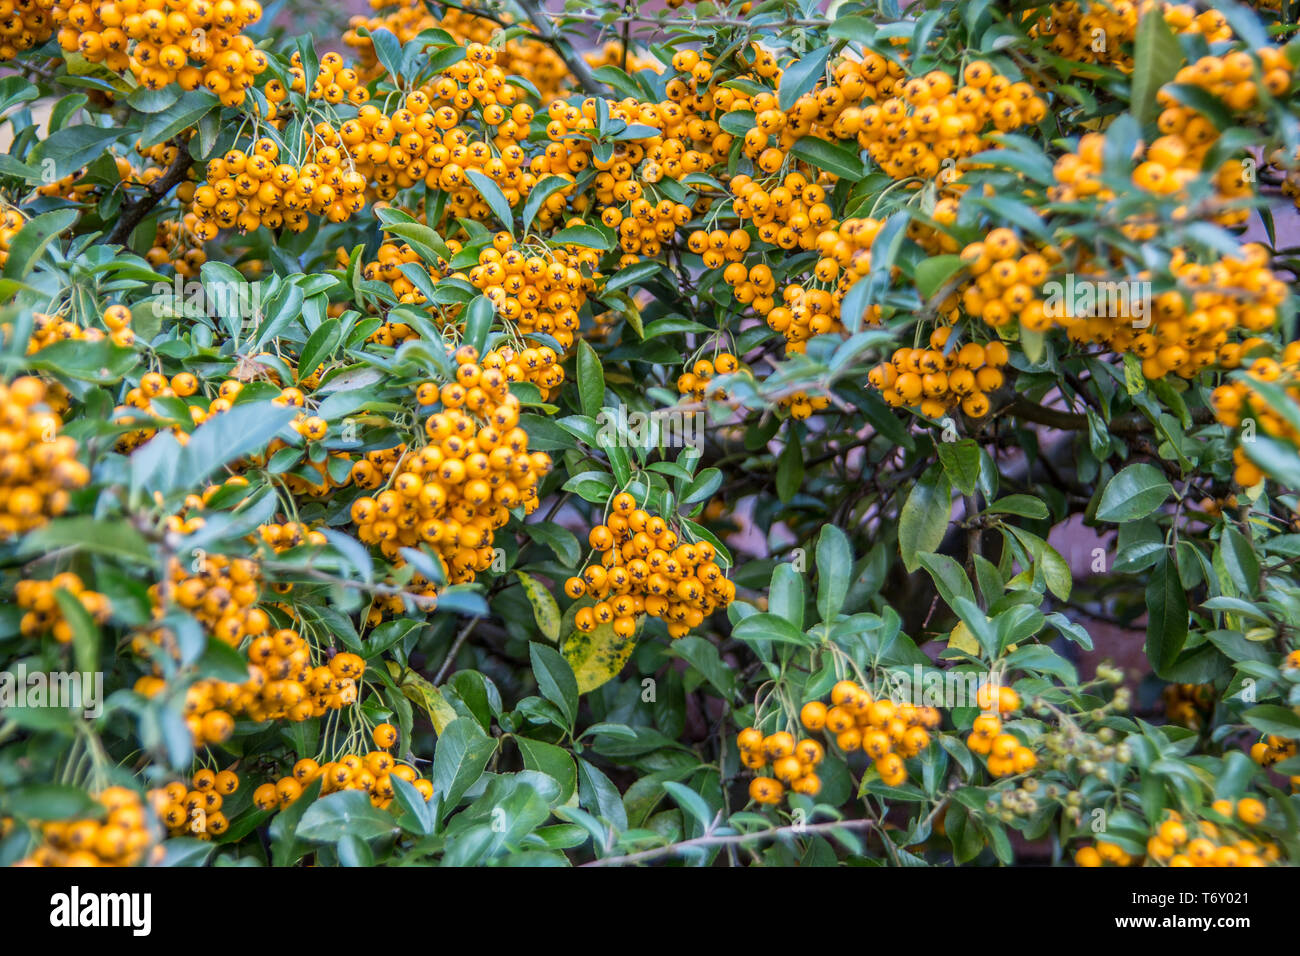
(560, 540)
(1239, 561)
(546, 187)
(598, 794)
(555, 679)
(785, 594)
(285, 848)
(227, 437)
(388, 50)
(421, 238)
(961, 462)
(186, 851)
(948, 576)
(1272, 719)
(737, 122)
(834, 568)
(478, 322)
(769, 627)
(1157, 55)
(800, 77)
(839, 160)
(1026, 506)
(48, 801)
(1166, 616)
(114, 538)
(36, 234)
(346, 813)
(422, 692)
(545, 611)
(555, 762)
(146, 100)
(789, 470)
(415, 806)
(192, 106)
(462, 752)
(1277, 459)
(924, 518)
(319, 347)
(634, 274)
(591, 379)
(85, 635)
(65, 152)
(593, 486)
(494, 197)
(704, 657)
(703, 486)
(588, 236)
(1135, 492)
(932, 273)
(101, 362)
(691, 802)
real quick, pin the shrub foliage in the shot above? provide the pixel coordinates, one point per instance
(717, 435)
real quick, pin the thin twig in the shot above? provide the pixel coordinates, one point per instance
(707, 840)
(455, 649)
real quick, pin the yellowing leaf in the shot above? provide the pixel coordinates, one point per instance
(422, 693)
(597, 658)
(963, 640)
(545, 610)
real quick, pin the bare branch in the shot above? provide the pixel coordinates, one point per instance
(708, 840)
(134, 214)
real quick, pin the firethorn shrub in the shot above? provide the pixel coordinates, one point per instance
(487, 433)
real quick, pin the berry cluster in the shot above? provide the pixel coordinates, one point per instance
(801, 405)
(886, 732)
(121, 838)
(1237, 400)
(282, 684)
(220, 592)
(794, 764)
(932, 121)
(1006, 281)
(1006, 754)
(195, 811)
(789, 211)
(535, 289)
(11, 223)
(696, 383)
(1272, 749)
(457, 490)
(940, 378)
(199, 43)
(814, 308)
(518, 55)
(1104, 33)
(290, 534)
(645, 568)
(42, 614)
(248, 190)
(1195, 842)
(371, 773)
(1188, 704)
(38, 466)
